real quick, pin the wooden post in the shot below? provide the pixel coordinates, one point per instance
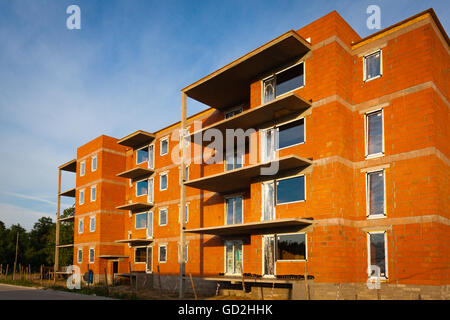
(6, 274)
(58, 209)
(106, 283)
(29, 272)
(41, 276)
(15, 260)
(1, 269)
(193, 287)
(182, 193)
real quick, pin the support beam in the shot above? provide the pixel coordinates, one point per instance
(58, 208)
(182, 194)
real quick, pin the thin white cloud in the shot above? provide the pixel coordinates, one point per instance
(11, 214)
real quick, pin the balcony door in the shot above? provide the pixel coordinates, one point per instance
(149, 261)
(150, 225)
(269, 256)
(268, 201)
(268, 144)
(233, 257)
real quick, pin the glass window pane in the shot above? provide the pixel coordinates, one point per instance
(163, 217)
(230, 210)
(291, 134)
(238, 210)
(376, 192)
(373, 65)
(291, 247)
(141, 187)
(140, 255)
(290, 79)
(142, 155)
(164, 146)
(141, 220)
(289, 190)
(162, 254)
(229, 258)
(163, 182)
(151, 157)
(375, 133)
(377, 252)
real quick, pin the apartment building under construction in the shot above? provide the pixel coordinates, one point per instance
(359, 131)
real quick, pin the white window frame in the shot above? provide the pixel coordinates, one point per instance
(159, 253)
(82, 168)
(366, 134)
(94, 187)
(277, 136)
(92, 163)
(225, 257)
(285, 178)
(274, 75)
(364, 65)
(159, 216)
(135, 220)
(152, 191)
(81, 192)
(386, 260)
(80, 256)
(144, 194)
(225, 198)
(151, 164)
(148, 155)
(136, 262)
(81, 230)
(89, 258)
(287, 234)
(160, 180)
(160, 146)
(375, 216)
(92, 218)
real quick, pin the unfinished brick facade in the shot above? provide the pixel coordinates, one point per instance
(412, 93)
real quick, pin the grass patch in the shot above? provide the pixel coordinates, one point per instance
(98, 291)
(23, 283)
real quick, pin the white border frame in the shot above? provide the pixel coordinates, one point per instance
(277, 127)
(375, 216)
(366, 134)
(93, 187)
(90, 223)
(161, 174)
(135, 219)
(159, 252)
(83, 165)
(225, 257)
(79, 261)
(89, 256)
(81, 191)
(269, 276)
(386, 260)
(134, 253)
(159, 216)
(82, 222)
(96, 163)
(364, 65)
(306, 246)
(235, 195)
(286, 178)
(166, 138)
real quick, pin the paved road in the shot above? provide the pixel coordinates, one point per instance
(9, 292)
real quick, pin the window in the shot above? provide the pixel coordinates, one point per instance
(234, 210)
(140, 221)
(93, 193)
(186, 213)
(373, 66)
(94, 163)
(233, 257)
(150, 190)
(82, 168)
(164, 146)
(375, 194)
(232, 113)
(291, 247)
(92, 224)
(234, 161)
(162, 217)
(141, 188)
(151, 156)
(377, 252)
(163, 181)
(291, 134)
(140, 255)
(81, 197)
(374, 133)
(80, 256)
(283, 82)
(91, 255)
(162, 256)
(290, 190)
(80, 225)
(142, 155)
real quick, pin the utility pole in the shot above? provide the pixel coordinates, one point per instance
(182, 194)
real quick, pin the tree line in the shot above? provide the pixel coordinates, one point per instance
(37, 247)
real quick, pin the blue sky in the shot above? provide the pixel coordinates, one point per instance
(123, 71)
